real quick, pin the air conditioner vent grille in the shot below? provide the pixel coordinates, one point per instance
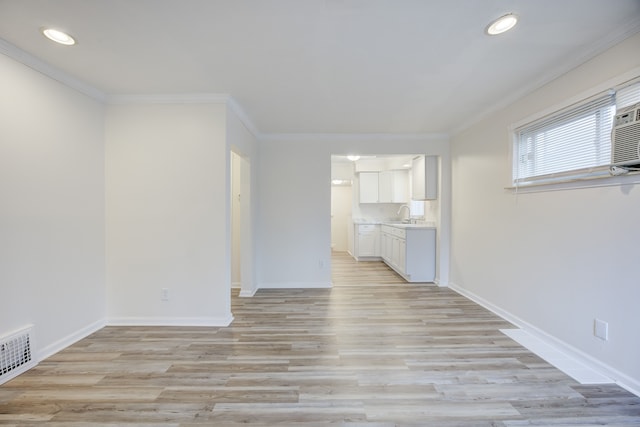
(626, 142)
(15, 354)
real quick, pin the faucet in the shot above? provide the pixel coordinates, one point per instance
(408, 211)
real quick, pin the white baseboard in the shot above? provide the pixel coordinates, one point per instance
(440, 283)
(170, 321)
(70, 339)
(245, 293)
(570, 366)
(572, 353)
(296, 285)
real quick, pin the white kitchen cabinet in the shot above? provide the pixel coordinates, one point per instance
(368, 187)
(411, 251)
(400, 186)
(393, 248)
(366, 241)
(384, 187)
(424, 178)
(398, 254)
(384, 241)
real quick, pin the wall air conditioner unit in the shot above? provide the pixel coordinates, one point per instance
(625, 139)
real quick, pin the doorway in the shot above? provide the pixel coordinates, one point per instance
(359, 206)
(242, 276)
(341, 205)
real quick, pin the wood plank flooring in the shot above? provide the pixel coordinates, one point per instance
(373, 351)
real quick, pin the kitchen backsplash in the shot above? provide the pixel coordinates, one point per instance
(386, 212)
(375, 211)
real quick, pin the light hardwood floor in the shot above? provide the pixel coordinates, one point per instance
(373, 351)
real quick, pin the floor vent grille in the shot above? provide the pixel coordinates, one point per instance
(16, 354)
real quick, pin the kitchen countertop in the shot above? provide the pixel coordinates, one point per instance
(367, 221)
(397, 224)
(404, 226)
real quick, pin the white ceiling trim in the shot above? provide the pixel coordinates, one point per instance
(319, 137)
(48, 70)
(611, 84)
(244, 118)
(622, 33)
(63, 77)
(189, 98)
(171, 98)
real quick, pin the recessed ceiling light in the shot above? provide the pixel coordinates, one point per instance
(58, 36)
(353, 158)
(502, 24)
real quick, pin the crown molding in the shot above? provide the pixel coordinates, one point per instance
(244, 117)
(67, 79)
(188, 98)
(50, 71)
(318, 137)
(169, 98)
(622, 33)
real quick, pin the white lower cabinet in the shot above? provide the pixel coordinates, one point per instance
(366, 241)
(385, 240)
(399, 254)
(411, 252)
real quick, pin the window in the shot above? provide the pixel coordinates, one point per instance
(571, 143)
(572, 139)
(417, 208)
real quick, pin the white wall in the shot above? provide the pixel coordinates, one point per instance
(295, 196)
(167, 214)
(553, 260)
(52, 272)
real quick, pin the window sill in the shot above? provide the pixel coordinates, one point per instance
(631, 178)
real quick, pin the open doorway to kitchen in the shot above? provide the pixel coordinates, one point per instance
(367, 192)
(241, 229)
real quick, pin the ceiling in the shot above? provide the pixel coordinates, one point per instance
(323, 66)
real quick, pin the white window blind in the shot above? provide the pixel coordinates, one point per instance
(628, 95)
(569, 142)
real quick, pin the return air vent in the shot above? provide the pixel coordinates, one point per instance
(15, 354)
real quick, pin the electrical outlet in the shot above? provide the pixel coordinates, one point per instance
(601, 329)
(164, 295)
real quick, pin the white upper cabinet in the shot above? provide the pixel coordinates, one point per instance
(384, 187)
(368, 187)
(424, 177)
(400, 186)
